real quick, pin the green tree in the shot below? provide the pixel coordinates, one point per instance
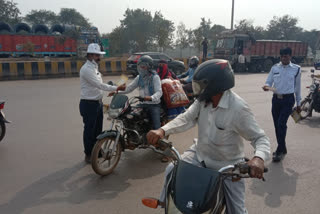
(284, 27)
(163, 30)
(246, 26)
(117, 42)
(9, 12)
(138, 26)
(182, 36)
(310, 37)
(45, 17)
(215, 31)
(202, 31)
(71, 16)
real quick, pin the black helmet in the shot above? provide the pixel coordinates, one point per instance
(211, 78)
(146, 60)
(193, 62)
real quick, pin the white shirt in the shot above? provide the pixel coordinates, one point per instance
(91, 82)
(221, 129)
(286, 79)
(143, 92)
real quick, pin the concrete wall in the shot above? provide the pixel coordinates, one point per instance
(41, 69)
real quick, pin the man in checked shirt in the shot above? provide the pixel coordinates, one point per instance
(285, 77)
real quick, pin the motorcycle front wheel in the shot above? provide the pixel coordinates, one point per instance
(306, 108)
(105, 156)
(2, 130)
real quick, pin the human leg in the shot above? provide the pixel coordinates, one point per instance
(235, 196)
(154, 114)
(99, 121)
(285, 113)
(276, 108)
(88, 111)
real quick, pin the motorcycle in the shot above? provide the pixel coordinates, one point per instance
(193, 190)
(128, 130)
(312, 101)
(3, 120)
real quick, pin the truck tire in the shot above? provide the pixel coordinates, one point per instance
(267, 65)
(256, 67)
(252, 68)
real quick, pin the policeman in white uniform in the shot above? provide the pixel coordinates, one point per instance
(90, 106)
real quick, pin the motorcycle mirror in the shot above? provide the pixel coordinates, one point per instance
(312, 70)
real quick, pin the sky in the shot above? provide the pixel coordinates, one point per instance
(106, 14)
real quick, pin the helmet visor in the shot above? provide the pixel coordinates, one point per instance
(198, 86)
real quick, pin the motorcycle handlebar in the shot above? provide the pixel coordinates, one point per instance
(139, 98)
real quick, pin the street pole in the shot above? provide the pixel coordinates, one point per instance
(232, 14)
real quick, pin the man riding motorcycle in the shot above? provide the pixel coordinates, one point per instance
(186, 78)
(149, 88)
(223, 119)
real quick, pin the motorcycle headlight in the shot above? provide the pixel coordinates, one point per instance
(114, 113)
(129, 116)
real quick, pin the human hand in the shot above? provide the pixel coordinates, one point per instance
(122, 87)
(265, 88)
(147, 98)
(256, 165)
(154, 136)
(183, 81)
(298, 108)
(112, 93)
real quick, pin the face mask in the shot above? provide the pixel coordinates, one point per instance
(142, 72)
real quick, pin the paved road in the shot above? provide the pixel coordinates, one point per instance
(42, 168)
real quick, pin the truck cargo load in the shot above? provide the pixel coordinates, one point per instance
(247, 54)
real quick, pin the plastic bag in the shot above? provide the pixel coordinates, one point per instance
(173, 93)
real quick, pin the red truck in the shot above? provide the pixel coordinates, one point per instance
(246, 53)
(37, 45)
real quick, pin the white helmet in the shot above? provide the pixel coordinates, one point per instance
(94, 48)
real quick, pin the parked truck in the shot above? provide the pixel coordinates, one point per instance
(245, 53)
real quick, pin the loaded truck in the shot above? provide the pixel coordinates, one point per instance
(247, 54)
(38, 40)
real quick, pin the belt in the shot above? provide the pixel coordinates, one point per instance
(281, 96)
(92, 101)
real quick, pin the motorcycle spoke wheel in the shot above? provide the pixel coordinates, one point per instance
(105, 156)
(305, 109)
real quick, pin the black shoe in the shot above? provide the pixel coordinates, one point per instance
(87, 159)
(277, 157)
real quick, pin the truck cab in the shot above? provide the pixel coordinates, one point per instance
(230, 46)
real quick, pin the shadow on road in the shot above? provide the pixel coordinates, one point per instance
(312, 122)
(279, 182)
(65, 186)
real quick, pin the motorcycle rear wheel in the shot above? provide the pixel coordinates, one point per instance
(305, 109)
(2, 130)
(102, 161)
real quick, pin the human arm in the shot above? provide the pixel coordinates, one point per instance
(181, 123)
(185, 74)
(184, 121)
(190, 77)
(269, 81)
(157, 89)
(91, 77)
(246, 126)
(133, 85)
(297, 89)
